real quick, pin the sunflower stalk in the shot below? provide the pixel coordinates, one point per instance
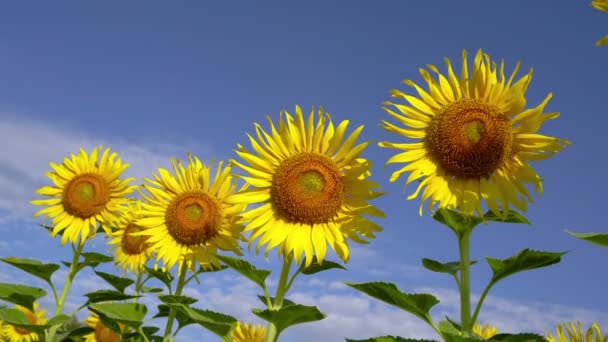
(178, 291)
(282, 288)
(464, 239)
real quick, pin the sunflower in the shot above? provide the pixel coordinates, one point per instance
(601, 5)
(18, 334)
(486, 331)
(476, 138)
(132, 252)
(87, 190)
(311, 187)
(102, 333)
(187, 217)
(594, 334)
(244, 332)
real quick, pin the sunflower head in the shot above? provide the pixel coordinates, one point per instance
(485, 331)
(575, 333)
(86, 191)
(101, 332)
(131, 251)
(19, 334)
(187, 216)
(473, 138)
(310, 185)
(244, 332)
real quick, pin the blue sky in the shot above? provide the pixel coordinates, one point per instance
(157, 79)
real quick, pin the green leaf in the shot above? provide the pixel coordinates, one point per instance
(525, 260)
(246, 269)
(14, 316)
(208, 270)
(80, 331)
(600, 239)
(119, 283)
(457, 222)
(218, 323)
(147, 331)
(447, 327)
(315, 267)
(390, 339)
(79, 266)
(286, 302)
(458, 338)
(418, 304)
(130, 314)
(165, 277)
(146, 289)
(290, 315)
(451, 267)
(522, 337)
(33, 267)
(173, 299)
(21, 294)
(107, 295)
(94, 259)
(512, 217)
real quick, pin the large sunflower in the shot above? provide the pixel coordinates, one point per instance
(87, 191)
(18, 334)
(576, 334)
(244, 332)
(475, 138)
(187, 217)
(101, 333)
(131, 252)
(311, 185)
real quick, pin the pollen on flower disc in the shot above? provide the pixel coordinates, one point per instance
(307, 188)
(105, 334)
(193, 218)
(133, 244)
(86, 195)
(469, 138)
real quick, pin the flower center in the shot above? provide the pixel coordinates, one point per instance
(133, 244)
(105, 334)
(193, 218)
(469, 139)
(31, 318)
(86, 195)
(308, 189)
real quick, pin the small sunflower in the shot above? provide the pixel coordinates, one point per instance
(476, 138)
(102, 333)
(187, 217)
(87, 191)
(18, 334)
(311, 185)
(131, 252)
(486, 331)
(575, 334)
(601, 5)
(244, 332)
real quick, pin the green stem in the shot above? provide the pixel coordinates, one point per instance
(465, 286)
(138, 284)
(178, 291)
(272, 334)
(480, 302)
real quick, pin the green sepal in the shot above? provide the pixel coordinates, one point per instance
(119, 283)
(21, 294)
(459, 223)
(525, 260)
(452, 267)
(107, 296)
(600, 239)
(243, 267)
(290, 315)
(33, 267)
(418, 304)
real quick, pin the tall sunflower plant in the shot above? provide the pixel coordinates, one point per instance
(470, 141)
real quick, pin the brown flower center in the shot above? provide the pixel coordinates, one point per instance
(469, 139)
(32, 319)
(307, 188)
(133, 244)
(86, 195)
(193, 218)
(105, 334)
